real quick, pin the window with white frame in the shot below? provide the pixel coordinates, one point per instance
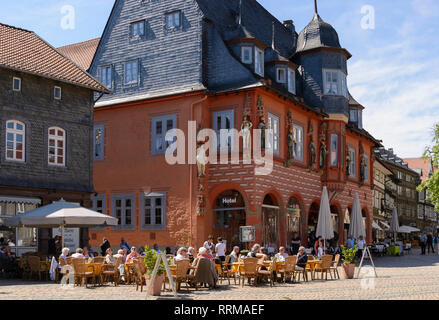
(259, 62)
(137, 29)
(334, 150)
(399, 190)
(98, 146)
(123, 209)
(57, 93)
(281, 75)
(246, 55)
(15, 140)
(57, 146)
(399, 175)
(273, 138)
(153, 210)
(173, 20)
(224, 120)
(160, 126)
(131, 72)
(291, 81)
(335, 83)
(352, 165)
(298, 144)
(105, 75)
(16, 84)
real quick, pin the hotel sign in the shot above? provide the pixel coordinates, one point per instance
(229, 200)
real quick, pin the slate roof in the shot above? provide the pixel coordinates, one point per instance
(82, 53)
(390, 157)
(24, 51)
(353, 102)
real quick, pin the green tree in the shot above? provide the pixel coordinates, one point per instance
(432, 184)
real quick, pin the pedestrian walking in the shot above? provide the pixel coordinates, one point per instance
(295, 243)
(423, 242)
(104, 246)
(430, 243)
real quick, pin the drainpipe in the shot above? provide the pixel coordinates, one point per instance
(191, 171)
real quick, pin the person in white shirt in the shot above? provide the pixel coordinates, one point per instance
(78, 254)
(181, 254)
(361, 243)
(281, 255)
(64, 253)
(220, 250)
(209, 244)
(320, 250)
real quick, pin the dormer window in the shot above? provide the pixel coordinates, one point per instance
(246, 55)
(355, 116)
(281, 75)
(259, 62)
(291, 81)
(138, 29)
(173, 20)
(335, 83)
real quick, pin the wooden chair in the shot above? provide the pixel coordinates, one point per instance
(35, 266)
(277, 268)
(334, 266)
(290, 268)
(226, 272)
(99, 260)
(109, 270)
(69, 260)
(301, 271)
(140, 273)
(265, 273)
(81, 272)
(250, 271)
(324, 267)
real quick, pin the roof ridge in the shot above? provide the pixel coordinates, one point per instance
(78, 43)
(16, 28)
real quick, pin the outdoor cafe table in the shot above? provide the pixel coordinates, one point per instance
(96, 268)
(312, 264)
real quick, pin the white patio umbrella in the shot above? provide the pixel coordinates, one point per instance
(324, 224)
(356, 228)
(408, 229)
(61, 214)
(394, 224)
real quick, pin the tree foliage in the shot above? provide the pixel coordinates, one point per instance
(432, 184)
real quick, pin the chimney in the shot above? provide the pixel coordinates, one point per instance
(290, 25)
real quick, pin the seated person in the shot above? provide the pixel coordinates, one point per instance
(64, 253)
(191, 254)
(281, 255)
(234, 255)
(302, 258)
(255, 251)
(110, 259)
(208, 275)
(78, 254)
(87, 254)
(320, 250)
(181, 254)
(133, 254)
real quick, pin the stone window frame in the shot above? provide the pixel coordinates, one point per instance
(155, 136)
(302, 142)
(223, 113)
(272, 118)
(15, 132)
(353, 164)
(153, 196)
(122, 197)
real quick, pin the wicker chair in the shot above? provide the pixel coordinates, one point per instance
(226, 272)
(35, 267)
(109, 270)
(334, 266)
(250, 271)
(324, 267)
(100, 260)
(81, 272)
(290, 268)
(181, 274)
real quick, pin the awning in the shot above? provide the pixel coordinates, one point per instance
(20, 200)
(376, 226)
(408, 229)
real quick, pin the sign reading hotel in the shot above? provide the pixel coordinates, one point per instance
(229, 200)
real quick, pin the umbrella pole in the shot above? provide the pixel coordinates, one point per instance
(62, 235)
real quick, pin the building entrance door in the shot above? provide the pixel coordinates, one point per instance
(229, 215)
(270, 224)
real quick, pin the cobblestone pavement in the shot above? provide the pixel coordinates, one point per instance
(409, 277)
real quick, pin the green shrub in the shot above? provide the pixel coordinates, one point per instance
(349, 255)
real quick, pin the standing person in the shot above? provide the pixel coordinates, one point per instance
(209, 244)
(156, 248)
(51, 251)
(423, 242)
(220, 250)
(430, 243)
(361, 243)
(320, 250)
(350, 242)
(124, 244)
(295, 243)
(317, 244)
(104, 246)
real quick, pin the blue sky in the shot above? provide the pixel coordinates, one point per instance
(393, 72)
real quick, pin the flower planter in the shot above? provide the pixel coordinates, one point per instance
(156, 288)
(349, 270)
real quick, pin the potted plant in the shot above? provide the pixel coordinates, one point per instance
(151, 257)
(348, 261)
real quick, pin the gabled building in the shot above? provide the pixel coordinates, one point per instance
(46, 131)
(224, 65)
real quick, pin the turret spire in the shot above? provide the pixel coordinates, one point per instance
(315, 7)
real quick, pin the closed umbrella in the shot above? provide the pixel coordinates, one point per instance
(356, 228)
(394, 224)
(61, 214)
(324, 224)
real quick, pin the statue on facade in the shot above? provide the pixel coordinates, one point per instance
(290, 144)
(348, 163)
(362, 167)
(322, 156)
(312, 154)
(201, 160)
(246, 133)
(262, 127)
